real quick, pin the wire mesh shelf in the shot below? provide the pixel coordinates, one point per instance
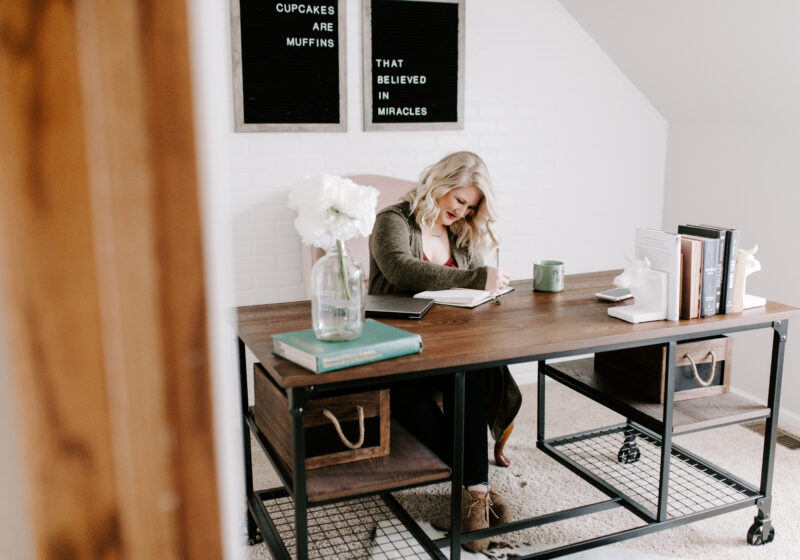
(348, 530)
(694, 486)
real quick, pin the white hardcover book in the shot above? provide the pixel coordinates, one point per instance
(663, 250)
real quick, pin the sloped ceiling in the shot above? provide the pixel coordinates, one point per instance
(704, 61)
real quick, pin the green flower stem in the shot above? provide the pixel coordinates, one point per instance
(342, 271)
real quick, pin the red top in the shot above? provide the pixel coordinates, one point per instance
(451, 263)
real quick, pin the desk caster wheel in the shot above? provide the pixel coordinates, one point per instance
(755, 535)
(628, 454)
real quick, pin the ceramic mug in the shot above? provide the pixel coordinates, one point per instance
(548, 276)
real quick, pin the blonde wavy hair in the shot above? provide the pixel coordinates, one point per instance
(459, 169)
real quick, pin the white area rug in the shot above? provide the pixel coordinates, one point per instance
(535, 484)
(508, 551)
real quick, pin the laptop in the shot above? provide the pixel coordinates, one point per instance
(398, 307)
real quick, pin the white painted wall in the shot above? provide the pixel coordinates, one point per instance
(210, 58)
(724, 74)
(576, 152)
(746, 177)
(728, 61)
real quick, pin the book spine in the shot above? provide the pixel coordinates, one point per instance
(697, 297)
(380, 351)
(718, 304)
(691, 278)
(719, 237)
(674, 282)
(686, 256)
(722, 265)
(738, 293)
(305, 359)
(731, 254)
(708, 305)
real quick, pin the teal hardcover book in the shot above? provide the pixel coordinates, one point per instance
(377, 342)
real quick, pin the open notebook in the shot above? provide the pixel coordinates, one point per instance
(461, 297)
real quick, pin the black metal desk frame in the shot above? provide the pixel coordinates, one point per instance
(761, 531)
(258, 518)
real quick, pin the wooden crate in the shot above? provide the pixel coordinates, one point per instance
(323, 444)
(644, 369)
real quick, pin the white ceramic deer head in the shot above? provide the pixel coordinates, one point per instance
(641, 280)
(649, 290)
(746, 265)
(751, 264)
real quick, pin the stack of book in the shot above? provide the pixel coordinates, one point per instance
(700, 262)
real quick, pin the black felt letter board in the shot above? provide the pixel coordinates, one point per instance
(414, 62)
(290, 61)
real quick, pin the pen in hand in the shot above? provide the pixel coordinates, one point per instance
(496, 299)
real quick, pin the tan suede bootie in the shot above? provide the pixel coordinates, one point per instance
(475, 512)
(500, 509)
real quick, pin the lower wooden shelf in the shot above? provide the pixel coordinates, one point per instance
(409, 463)
(688, 416)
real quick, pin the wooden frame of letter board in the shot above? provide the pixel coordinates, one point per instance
(271, 412)
(238, 83)
(369, 125)
(644, 368)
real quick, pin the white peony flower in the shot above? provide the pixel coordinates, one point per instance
(331, 209)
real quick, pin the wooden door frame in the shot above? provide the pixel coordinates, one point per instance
(103, 281)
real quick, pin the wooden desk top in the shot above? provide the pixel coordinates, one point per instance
(527, 326)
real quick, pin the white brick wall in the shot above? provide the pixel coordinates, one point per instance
(576, 152)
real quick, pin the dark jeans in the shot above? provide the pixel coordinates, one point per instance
(415, 407)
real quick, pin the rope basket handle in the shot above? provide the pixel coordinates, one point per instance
(330, 416)
(700, 380)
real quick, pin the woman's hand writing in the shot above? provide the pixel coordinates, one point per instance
(496, 279)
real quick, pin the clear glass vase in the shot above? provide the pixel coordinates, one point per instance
(338, 299)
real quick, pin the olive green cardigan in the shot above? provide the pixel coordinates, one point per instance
(396, 266)
(395, 258)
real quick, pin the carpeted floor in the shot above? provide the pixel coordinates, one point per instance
(535, 484)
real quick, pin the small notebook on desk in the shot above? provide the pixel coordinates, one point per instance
(461, 297)
(398, 307)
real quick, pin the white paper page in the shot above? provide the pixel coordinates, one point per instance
(462, 297)
(663, 250)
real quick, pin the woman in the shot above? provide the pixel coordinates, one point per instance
(434, 239)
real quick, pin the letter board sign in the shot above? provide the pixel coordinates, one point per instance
(289, 65)
(413, 65)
